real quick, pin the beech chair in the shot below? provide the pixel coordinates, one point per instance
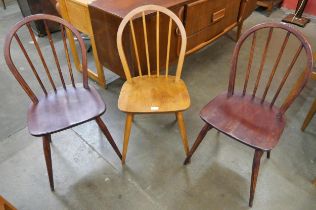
(157, 92)
(251, 119)
(62, 107)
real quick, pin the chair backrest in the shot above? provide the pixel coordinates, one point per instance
(295, 52)
(141, 12)
(64, 26)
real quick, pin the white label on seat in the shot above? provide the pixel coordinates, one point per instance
(154, 108)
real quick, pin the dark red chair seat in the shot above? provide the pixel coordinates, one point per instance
(64, 109)
(245, 119)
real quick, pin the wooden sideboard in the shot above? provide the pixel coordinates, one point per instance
(204, 21)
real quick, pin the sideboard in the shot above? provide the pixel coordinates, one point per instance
(204, 21)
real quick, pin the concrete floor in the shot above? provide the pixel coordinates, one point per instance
(88, 175)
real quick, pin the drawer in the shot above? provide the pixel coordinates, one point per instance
(204, 13)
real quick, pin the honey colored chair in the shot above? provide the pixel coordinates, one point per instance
(63, 107)
(246, 117)
(155, 92)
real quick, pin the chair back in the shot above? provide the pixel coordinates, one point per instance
(141, 12)
(47, 19)
(274, 53)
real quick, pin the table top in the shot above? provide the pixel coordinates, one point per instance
(120, 8)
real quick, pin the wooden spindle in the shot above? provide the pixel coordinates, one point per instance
(168, 47)
(275, 66)
(264, 55)
(253, 45)
(67, 55)
(41, 56)
(51, 42)
(146, 42)
(287, 73)
(135, 47)
(157, 42)
(30, 63)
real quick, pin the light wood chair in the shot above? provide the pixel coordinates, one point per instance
(156, 92)
(250, 118)
(5, 205)
(58, 108)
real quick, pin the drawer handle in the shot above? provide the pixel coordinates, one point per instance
(219, 15)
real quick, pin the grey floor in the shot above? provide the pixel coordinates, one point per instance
(88, 174)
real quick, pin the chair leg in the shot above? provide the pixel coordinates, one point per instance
(183, 132)
(108, 135)
(48, 159)
(254, 175)
(268, 154)
(127, 132)
(314, 182)
(197, 142)
(4, 6)
(309, 116)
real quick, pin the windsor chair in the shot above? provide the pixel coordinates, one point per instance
(247, 118)
(156, 92)
(62, 107)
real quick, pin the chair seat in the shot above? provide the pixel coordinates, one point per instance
(154, 94)
(245, 119)
(64, 109)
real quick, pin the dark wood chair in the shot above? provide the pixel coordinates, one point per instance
(247, 118)
(59, 108)
(3, 3)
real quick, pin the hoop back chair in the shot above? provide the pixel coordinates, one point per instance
(156, 92)
(246, 117)
(62, 107)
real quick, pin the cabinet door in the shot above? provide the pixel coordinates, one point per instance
(247, 7)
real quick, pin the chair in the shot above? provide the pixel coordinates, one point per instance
(157, 92)
(62, 107)
(249, 119)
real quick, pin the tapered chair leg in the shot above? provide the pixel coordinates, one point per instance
(197, 142)
(48, 159)
(309, 116)
(108, 135)
(268, 154)
(127, 132)
(254, 175)
(183, 132)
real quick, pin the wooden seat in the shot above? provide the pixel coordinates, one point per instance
(156, 92)
(231, 116)
(62, 107)
(251, 120)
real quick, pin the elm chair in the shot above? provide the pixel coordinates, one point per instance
(157, 91)
(59, 108)
(251, 119)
